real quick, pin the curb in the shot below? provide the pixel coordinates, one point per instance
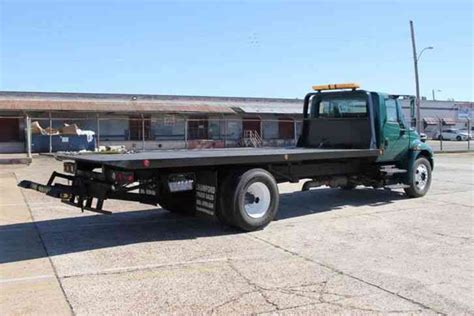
(453, 151)
(15, 161)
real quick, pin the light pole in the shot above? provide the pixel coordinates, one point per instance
(433, 93)
(416, 58)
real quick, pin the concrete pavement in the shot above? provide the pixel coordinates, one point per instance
(329, 251)
(29, 286)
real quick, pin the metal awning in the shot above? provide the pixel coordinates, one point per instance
(272, 108)
(449, 121)
(431, 121)
(113, 106)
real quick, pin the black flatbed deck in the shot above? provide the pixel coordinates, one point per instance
(214, 157)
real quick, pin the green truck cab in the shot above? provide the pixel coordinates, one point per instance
(373, 120)
(402, 145)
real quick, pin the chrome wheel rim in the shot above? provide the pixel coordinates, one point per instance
(257, 200)
(421, 177)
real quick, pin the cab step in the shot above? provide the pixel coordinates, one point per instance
(396, 186)
(392, 169)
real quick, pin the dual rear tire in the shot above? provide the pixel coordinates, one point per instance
(248, 200)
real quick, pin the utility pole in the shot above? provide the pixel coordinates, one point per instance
(28, 135)
(416, 58)
(417, 83)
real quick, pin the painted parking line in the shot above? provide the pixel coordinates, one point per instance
(146, 267)
(32, 278)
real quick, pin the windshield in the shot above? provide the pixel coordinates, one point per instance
(333, 106)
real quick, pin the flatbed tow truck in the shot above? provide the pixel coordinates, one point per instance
(349, 137)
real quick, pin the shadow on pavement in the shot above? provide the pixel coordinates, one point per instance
(322, 200)
(82, 233)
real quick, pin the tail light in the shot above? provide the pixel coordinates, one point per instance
(122, 177)
(70, 167)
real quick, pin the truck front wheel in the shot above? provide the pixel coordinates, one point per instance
(420, 178)
(250, 200)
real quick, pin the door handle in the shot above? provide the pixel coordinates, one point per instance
(385, 142)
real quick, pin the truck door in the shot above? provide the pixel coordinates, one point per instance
(395, 132)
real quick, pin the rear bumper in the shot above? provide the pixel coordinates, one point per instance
(83, 191)
(79, 193)
(57, 191)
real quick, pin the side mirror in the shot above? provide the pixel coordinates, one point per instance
(423, 137)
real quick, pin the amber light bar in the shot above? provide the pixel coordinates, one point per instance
(336, 86)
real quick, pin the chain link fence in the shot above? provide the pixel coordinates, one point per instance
(449, 138)
(139, 133)
(142, 133)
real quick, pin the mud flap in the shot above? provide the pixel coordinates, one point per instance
(410, 163)
(206, 192)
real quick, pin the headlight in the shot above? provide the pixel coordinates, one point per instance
(417, 147)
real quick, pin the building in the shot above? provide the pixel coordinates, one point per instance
(444, 114)
(152, 122)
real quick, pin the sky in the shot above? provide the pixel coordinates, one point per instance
(229, 48)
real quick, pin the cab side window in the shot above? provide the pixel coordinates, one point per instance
(391, 108)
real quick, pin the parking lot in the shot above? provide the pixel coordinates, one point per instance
(329, 251)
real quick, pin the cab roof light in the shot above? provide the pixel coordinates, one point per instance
(336, 86)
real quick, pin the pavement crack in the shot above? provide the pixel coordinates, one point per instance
(322, 299)
(232, 300)
(257, 288)
(334, 269)
(451, 236)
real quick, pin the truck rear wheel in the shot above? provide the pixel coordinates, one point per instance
(250, 200)
(179, 202)
(420, 178)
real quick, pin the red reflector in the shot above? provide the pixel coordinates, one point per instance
(122, 177)
(146, 163)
